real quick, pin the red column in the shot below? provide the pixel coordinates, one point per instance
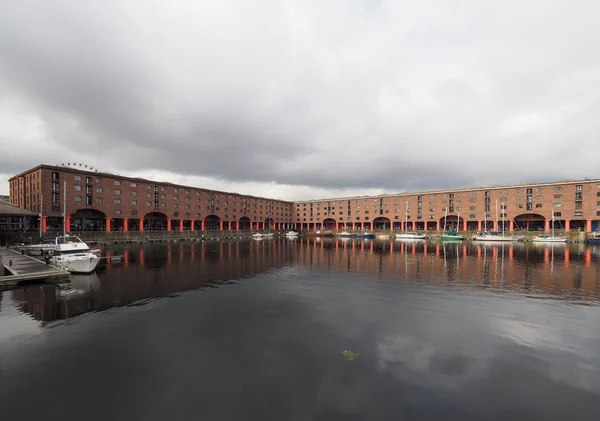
(68, 224)
(125, 224)
(168, 225)
(414, 225)
(547, 226)
(44, 223)
(107, 224)
(202, 225)
(437, 225)
(478, 225)
(220, 225)
(337, 226)
(193, 226)
(495, 225)
(464, 225)
(181, 225)
(588, 225)
(511, 225)
(567, 225)
(142, 225)
(237, 225)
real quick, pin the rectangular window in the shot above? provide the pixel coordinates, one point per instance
(557, 196)
(117, 183)
(558, 188)
(529, 206)
(55, 176)
(579, 187)
(133, 184)
(77, 187)
(88, 181)
(55, 197)
(538, 198)
(578, 205)
(578, 214)
(88, 200)
(98, 189)
(117, 201)
(117, 191)
(538, 205)
(539, 189)
(134, 202)
(558, 214)
(558, 205)
(99, 180)
(77, 178)
(134, 193)
(78, 198)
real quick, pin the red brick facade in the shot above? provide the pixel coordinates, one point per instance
(125, 200)
(42, 190)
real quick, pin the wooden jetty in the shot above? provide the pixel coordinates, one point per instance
(22, 268)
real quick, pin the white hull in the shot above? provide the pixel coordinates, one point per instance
(78, 264)
(291, 234)
(383, 237)
(493, 238)
(415, 236)
(549, 240)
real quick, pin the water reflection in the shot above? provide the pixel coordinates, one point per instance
(555, 270)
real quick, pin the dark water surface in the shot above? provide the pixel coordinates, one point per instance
(257, 331)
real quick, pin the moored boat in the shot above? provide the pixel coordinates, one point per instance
(492, 236)
(549, 239)
(73, 255)
(543, 238)
(410, 236)
(367, 235)
(593, 239)
(345, 234)
(291, 234)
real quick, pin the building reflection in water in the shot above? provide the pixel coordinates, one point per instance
(152, 271)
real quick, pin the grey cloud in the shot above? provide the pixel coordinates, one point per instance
(349, 95)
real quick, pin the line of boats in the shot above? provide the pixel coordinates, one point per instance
(491, 236)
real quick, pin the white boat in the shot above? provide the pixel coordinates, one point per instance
(73, 255)
(258, 236)
(549, 238)
(345, 234)
(411, 236)
(291, 234)
(383, 236)
(494, 236)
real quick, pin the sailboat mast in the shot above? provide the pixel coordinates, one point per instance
(496, 214)
(445, 218)
(406, 216)
(484, 220)
(65, 209)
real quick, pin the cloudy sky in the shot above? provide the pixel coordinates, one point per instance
(300, 99)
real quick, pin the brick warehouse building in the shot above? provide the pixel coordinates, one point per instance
(574, 204)
(104, 202)
(108, 202)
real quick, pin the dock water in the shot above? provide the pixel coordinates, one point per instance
(20, 268)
